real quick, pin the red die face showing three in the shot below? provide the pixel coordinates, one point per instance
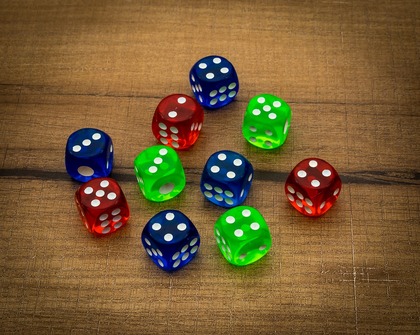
(177, 121)
(313, 186)
(102, 205)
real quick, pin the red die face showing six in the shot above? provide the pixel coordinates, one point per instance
(177, 121)
(313, 186)
(102, 205)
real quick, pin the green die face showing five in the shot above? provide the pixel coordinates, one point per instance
(266, 121)
(242, 235)
(159, 173)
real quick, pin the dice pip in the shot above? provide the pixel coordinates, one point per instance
(177, 121)
(266, 121)
(102, 206)
(170, 239)
(159, 173)
(214, 81)
(89, 154)
(313, 186)
(226, 178)
(242, 235)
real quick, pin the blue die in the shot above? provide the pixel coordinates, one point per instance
(214, 81)
(226, 178)
(89, 154)
(170, 239)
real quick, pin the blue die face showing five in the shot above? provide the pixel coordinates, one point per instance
(226, 178)
(170, 239)
(89, 154)
(214, 81)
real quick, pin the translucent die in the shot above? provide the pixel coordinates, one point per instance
(242, 235)
(313, 186)
(170, 239)
(266, 121)
(159, 173)
(226, 178)
(214, 81)
(177, 121)
(102, 206)
(89, 154)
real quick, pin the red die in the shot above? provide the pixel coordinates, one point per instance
(177, 121)
(102, 205)
(313, 186)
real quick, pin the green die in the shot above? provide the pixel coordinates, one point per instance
(266, 121)
(242, 235)
(159, 173)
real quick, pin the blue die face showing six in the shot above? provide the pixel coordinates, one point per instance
(170, 239)
(214, 81)
(89, 154)
(226, 178)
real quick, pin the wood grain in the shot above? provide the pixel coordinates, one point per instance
(350, 71)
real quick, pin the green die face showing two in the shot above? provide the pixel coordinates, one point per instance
(159, 173)
(266, 121)
(242, 235)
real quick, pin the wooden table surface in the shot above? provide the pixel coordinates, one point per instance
(350, 72)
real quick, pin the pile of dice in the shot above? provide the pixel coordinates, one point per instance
(169, 237)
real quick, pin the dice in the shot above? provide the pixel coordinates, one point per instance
(266, 121)
(313, 186)
(242, 235)
(159, 173)
(177, 121)
(226, 178)
(102, 206)
(214, 81)
(170, 239)
(89, 154)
